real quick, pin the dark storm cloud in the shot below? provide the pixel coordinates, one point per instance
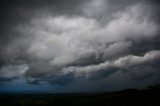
(97, 43)
(18, 12)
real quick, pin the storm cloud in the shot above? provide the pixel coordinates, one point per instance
(80, 45)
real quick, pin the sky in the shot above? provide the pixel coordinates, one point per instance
(79, 45)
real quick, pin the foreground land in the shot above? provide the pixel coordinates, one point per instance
(130, 97)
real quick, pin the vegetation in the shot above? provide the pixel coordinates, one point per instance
(129, 97)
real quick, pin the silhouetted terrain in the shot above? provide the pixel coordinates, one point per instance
(129, 97)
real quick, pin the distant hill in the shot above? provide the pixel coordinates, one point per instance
(129, 97)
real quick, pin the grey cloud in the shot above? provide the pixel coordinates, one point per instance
(123, 62)
(66, 42)
(12, 71)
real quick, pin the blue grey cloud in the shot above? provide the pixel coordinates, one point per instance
(79, 45)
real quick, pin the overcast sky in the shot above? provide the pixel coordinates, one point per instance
(79, 45)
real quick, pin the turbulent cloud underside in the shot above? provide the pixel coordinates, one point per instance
(96, 43)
